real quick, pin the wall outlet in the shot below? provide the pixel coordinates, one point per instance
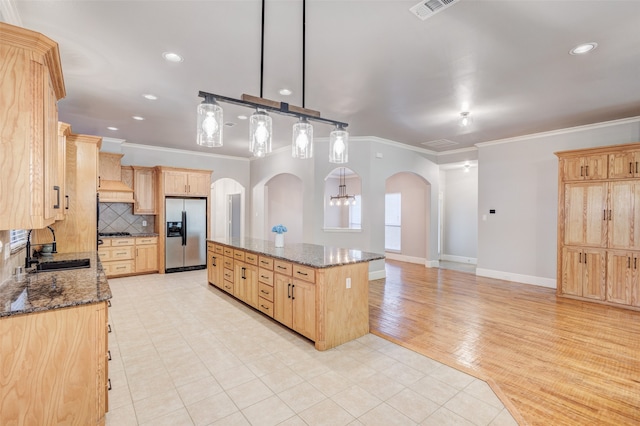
(144, 223)
(348, 282)
(7, 251)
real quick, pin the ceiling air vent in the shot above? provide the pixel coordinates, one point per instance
(427, 8)
(440, 143)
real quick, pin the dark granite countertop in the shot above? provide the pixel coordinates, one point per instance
(312, 255)
(42, 291)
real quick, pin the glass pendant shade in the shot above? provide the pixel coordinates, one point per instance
(339, 146)
(260, 134)
(209, 129)
(302, 140)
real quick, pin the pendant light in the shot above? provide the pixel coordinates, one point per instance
(260, 133)
(342, 199)
(339, 146)
(302, 139)
(209, 128)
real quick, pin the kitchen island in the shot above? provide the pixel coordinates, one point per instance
(318, 291)
(53, 345)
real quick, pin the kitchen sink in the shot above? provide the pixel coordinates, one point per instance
(61, 265)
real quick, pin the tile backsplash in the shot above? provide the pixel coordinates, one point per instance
(119, 217)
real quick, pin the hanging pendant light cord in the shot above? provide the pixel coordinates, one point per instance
(304, 44)
(262, 51)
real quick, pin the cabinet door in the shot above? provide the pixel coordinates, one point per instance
(146, 258)
(619, 276)
(571, 271)
(585, 214)
(624, 165)
(240, 280)
(594, 274)
(282, 307)
(62, 169)
(214, 268)
(304, 308)
(144, 191)
(199, 184)
(586, 168)
(251, 283)
(624, 216)
(175, 183)
(635, 281)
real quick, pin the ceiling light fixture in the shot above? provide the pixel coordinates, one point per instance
(583, 48)
(137, 117)
(209, 125)
(465, 120)
(342, 199)
(260, 134)
(150, 97)
(285, 92)
(112, 128)
(172, 57)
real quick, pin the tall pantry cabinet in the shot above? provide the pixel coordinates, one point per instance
(31, 84)
(599, 225)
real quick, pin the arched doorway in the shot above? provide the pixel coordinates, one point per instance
(283, 196)
(227, 209)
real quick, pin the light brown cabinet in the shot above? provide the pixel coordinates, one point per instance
(295, 304)
(64, 130)
(215, 265)
(146, 254)
(624, 165)
(31, 82)
(187, 183)
(599, 225)
(144, 190)
(245, 283)
(55, 367)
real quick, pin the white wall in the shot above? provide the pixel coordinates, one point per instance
(285, 206)
(460, 218)
(220, 191)
(519, 179)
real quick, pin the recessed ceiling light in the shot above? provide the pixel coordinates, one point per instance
(172, 57)
(285, 92)
(583, 48)
(112, 128)
(242, 117)
(150, 96)
(137, 117)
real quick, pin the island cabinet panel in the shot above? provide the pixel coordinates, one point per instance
(54, 367)
(322, 301)
(215, 265)
(599, 224)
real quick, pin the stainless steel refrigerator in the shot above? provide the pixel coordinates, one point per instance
(186, 234)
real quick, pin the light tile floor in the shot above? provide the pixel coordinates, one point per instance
(184, 353)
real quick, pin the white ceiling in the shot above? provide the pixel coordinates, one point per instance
(372, 64)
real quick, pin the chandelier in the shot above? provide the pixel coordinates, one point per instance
(342, 199)
(210, 117)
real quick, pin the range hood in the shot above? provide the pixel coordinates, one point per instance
(111, 188)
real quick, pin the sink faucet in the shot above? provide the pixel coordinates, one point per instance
(29, 260)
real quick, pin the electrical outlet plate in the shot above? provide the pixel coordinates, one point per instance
(348, 282)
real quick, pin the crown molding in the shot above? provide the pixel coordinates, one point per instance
(560, 131)
(177, 151)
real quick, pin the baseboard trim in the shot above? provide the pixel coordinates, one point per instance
(377, 275)
(405, 258)
(519, 278)
(459, 259)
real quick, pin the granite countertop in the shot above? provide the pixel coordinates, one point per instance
(42, 291)
(312, 255)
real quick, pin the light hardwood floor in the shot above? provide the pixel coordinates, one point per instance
(553, 361)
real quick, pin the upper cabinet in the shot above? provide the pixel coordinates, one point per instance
(111, 185)
(624, 165)
(64, 130)
(586, 167)
(31, 83)
(144, 190)
(186, 182)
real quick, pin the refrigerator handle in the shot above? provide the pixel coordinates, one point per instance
(184, 228)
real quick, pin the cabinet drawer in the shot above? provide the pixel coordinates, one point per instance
(106, 242)
(119, 242)
(228, 274)
(238, 255)
(228, 262)
(304, 273)
(121, 253)
(281, 267)
(124, 267)
(265, 306)
(251, 258)
(218, 249)
(266, 262)
(227, 286)
(104, 253)
(265, 276)
(146, 240)
(265, 291)
(227, 251)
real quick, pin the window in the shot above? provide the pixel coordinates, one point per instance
(355, 213)
(392, 221)
(17, 238)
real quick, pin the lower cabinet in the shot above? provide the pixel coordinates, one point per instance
(623, 283)
(295, 303)
(128, 256)
(584, 272)
(54, 367)
(214, 266)
(245, 283)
